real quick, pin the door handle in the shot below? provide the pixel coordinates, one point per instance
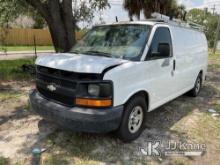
(174, 65)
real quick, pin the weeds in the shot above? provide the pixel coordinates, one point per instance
(12, 69)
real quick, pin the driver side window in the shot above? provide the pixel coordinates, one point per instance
(161, 44)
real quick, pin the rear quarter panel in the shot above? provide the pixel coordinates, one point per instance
(191, 53)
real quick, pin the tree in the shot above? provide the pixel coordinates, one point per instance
(61, 16)
(167, 7)
(206, 19)
(134, 8)
(39, 21)
(180, 12)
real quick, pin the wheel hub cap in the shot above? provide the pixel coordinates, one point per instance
(198, 86)
(135, 119)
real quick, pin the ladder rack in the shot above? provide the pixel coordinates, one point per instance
(176, 22)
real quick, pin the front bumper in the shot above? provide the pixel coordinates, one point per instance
(76, 118)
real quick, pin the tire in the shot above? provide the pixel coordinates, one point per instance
(197, 87)
(133, 119)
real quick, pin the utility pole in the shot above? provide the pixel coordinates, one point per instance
(216, 36)
(205, 11)
(213, 9)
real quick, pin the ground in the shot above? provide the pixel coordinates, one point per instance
(185, 119)
(24, 48)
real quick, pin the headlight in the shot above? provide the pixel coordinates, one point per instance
(95, 94)
(94, 90)
(98, 90)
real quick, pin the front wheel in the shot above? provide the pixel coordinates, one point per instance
(132, 123)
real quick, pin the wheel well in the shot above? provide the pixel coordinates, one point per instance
(201, 73)
(141, 93)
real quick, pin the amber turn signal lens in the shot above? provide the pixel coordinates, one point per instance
(93, 102)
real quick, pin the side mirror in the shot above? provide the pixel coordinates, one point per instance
(163, 50)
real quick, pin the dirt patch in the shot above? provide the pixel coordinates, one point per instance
(18, 126)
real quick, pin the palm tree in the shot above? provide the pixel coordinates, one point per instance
(133, 7)
(167, 7)
(181, 12)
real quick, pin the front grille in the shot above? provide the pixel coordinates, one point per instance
(56, 80)
(65, 82)
(66, 100)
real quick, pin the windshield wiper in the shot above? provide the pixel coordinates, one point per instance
(93, 52)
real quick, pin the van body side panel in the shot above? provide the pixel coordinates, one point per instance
(191, 52)
(131, 78)
(206, 54)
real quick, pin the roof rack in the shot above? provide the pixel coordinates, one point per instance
(155, 20)
(157, 17)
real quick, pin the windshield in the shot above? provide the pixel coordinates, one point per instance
(115, 41)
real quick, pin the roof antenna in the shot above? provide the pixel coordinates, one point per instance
(184, 16)
(171, 16)
(116, 18)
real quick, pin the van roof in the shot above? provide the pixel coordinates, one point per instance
(146, 22)
(153, 22)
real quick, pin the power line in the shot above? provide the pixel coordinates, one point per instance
(212, 2)
(216, 4)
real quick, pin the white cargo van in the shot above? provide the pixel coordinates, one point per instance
(117, 73)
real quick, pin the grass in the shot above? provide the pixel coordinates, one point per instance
(4, 161)
(25, 48)
(6, 95)
(217, 106)
(11, 69)
(214, 60)
(55, 160)
(214, 56)
(213, 67)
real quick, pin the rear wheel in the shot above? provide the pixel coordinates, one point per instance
(132, 123)
(197, 87)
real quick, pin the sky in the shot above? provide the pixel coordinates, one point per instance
(116, 9)
(201, 4)
(191, 3)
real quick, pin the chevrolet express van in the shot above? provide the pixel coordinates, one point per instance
(118, 73)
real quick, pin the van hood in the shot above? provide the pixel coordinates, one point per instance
(78, 62)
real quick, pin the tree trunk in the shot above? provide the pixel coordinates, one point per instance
(69, 23)
(59, 17)
(139, 16)
(130, 16)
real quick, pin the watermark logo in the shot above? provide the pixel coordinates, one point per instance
(172, 148)
(152, 149)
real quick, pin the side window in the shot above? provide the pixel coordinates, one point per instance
(161, 44)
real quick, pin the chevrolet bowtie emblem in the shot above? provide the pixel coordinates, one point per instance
(51, 87)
